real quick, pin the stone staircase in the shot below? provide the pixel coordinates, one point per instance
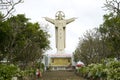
(60, 75)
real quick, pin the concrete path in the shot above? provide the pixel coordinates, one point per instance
(60, 75)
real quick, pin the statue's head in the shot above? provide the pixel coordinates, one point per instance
(60, 15)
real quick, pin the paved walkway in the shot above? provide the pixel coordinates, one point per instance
(60, 75)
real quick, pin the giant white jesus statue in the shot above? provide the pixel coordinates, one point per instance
(60, 24)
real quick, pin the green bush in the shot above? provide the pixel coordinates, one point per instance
(104, 71)
(8, 71)
(113, 71)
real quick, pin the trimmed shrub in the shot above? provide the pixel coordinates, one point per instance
(8, 71)
(104, 71)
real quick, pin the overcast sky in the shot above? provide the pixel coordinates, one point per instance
(89, 15)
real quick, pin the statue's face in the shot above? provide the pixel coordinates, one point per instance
(60, 17)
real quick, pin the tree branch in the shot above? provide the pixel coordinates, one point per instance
(9, 6)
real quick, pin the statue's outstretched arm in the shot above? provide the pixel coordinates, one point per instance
(49, 20)
(70, 20)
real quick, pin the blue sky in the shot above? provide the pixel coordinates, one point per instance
(89, 15)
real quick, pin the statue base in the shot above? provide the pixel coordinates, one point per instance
(61, 61)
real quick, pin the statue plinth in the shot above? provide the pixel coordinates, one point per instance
(60, 61)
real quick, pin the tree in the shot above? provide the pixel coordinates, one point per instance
(21, 40)
(113, 6)
(103, 42)
(91, 48)
(110, 28)
(8, 6)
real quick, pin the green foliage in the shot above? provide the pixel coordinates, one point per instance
(104, 42)
(91, 48)
(8, 71)
(106, 71)
(111, 31)
(22, 41)
(27, 73)
(113, 70)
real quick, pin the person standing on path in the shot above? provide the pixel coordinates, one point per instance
(38, 74)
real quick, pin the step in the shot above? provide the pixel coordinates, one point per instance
(60, 75)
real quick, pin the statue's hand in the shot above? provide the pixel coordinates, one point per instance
(44, 17)
(75, 17)
(49, 20)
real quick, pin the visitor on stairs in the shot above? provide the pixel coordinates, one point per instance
(38, 74)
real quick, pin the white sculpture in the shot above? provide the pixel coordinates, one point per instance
(60, 25)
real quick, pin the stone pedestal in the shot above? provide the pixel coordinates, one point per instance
(60, 61)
